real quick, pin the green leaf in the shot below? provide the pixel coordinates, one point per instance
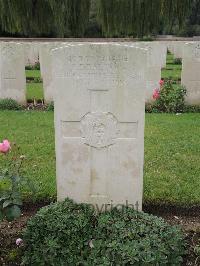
(4, 198)
(12, 212)
(16, 178)
(5, 172)
(17, 201)
(7, 203)
(16, 194)
(1, 215)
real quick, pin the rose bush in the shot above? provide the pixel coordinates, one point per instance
(10, 177)
(169, 98)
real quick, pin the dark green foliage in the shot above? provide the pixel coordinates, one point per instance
(140, 17)
(191, 26)
(44, 17)
(59, 235)
(36, 66)
(111, 18)
(134, 238)
(192, 109)
(50, 107)
(66, 233)
(171, 98)
(177, 61)
(34, 80)
(9, 104)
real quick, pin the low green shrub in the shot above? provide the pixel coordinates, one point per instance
(34, 80)
(192, 109)
(58, 235)
(135, 238)
(150, 108)
(50, 106)
(9, 104)
(66, 233)
(170, 98)
(177, 61)
(36, 66)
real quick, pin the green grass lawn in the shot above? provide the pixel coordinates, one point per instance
(33, 73)
(34, 91)
(172, 148)
(172, 70)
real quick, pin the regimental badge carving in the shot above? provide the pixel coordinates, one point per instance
(197, 50)
(99, 129)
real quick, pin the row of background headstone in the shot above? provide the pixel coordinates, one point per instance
(14, 57)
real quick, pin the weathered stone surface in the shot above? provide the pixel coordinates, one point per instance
(99, 123)
(45, 59)
(12, 69)
(153, 67)
(46, 69)
(178, 49)
(191, 72)
(31, 52)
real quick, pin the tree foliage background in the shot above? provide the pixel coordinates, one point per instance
(98, 18)
(44, 17)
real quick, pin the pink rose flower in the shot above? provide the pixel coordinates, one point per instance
(156, 94)
(5, 146)
(161, 82)
(19, 242)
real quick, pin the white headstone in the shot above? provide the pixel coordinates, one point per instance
(31, 52)
(191, 72)
(163, 54)
(12, 69)
(153, 68)
(99, 123)
(170, 46)
(178, 49)
(46, 69)
(45, 59)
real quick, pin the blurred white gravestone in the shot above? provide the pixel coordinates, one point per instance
(45, 59)
(178, 49)
(46, 69)
(31, 52)
(190, 76)
(12, 69)
(153, 67)
(99, 123)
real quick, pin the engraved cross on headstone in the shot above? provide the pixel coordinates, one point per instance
(99, 129)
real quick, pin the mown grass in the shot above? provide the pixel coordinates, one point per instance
(34, 133)
(33, 73)
(172, 161)
(172, 71)
(34, 91)
(172, 148)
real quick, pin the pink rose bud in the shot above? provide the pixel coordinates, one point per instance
(161, 82)
(156, 94)
(19, 242)
(5, 146)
